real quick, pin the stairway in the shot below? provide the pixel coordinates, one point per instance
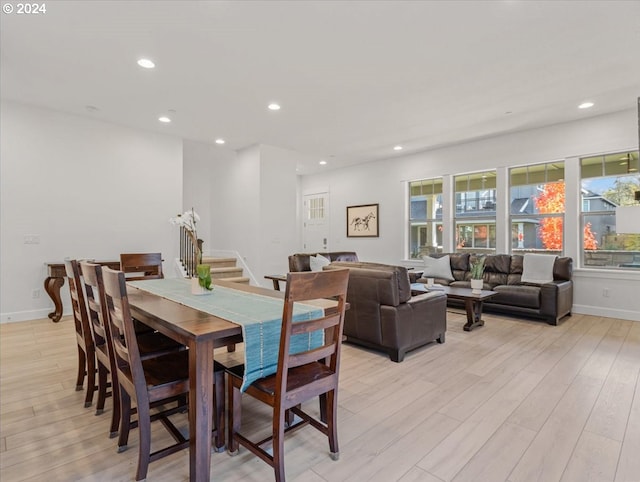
(226, 269)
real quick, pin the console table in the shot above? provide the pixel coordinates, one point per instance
(56, 273)
(276, 278)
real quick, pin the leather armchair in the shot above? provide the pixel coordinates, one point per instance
(383, 314)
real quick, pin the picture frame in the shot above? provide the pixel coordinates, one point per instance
(363, 221)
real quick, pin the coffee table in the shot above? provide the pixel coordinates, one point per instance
(472, 301)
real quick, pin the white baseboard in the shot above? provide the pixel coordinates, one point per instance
(607, 312)
(25, 315)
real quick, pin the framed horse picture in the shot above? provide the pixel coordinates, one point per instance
(362, 221)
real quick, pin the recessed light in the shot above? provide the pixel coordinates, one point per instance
(323, 163)
(397, 148)
(146, 63)
(585, 105)
(164, 119)
(219, 141)
(274, 106)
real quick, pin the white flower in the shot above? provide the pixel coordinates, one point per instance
(188, 220)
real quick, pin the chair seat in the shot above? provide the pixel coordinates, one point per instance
(156, 344)
(297, 378)
(171, 369)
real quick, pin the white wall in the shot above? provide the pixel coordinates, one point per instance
(87, 189)
(384, 182)
(253, 199)
(196, 185)
(279, 234)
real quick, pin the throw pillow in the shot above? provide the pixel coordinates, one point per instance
(437, 268)
(318, 262)
(537, 268)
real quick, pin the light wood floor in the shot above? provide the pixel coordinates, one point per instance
(512, 401)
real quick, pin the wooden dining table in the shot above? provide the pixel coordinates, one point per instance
(201, 332)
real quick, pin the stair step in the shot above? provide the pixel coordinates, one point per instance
(238, 279)
(219, 262)
(226, 272)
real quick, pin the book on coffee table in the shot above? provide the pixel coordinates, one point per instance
(422, 288)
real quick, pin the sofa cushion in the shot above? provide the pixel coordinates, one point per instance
(317, 262)
(525, 296)
(439, 268)
(496, 269)
(459, 265)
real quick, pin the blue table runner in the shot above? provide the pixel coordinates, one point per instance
(259, 316)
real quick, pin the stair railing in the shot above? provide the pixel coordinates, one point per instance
(190, 251)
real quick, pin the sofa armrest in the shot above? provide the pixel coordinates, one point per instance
(556, 299)
(420, 320)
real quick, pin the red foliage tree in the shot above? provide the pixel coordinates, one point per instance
(549, 201)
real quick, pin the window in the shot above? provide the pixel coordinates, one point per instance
(425, 217)
(475, 213)
(608, 181)
(536, 208)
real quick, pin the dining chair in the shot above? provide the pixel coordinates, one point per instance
(151, 344)
(141, 266)
(84, 338)
(299, 377)
(151, 382)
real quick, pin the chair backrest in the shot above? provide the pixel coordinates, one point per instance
(121, 328)
(78, 305)
(97, 313)
(305, 286)
(141, 266)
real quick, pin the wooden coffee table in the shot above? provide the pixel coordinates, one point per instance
(472, 301)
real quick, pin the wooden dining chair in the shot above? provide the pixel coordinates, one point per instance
(152, 344)
(299, 377)
(151, 382)
(141, 266)
(84, 338)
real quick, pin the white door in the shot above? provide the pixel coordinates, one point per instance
(316, 222)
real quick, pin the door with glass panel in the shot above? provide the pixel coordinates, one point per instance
(316, 223)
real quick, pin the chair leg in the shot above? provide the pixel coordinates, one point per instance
(102, 388)
(144, 431)
(219, 409)
(235, 409)
(323, 407)
(91, 379)
(332, 424)
(115, 414)
(125, 420)
(279, 417)
(82, 367)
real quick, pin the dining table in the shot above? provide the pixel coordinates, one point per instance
(201, 332)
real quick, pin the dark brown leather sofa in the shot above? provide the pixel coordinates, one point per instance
(549, 301)
(300, 261)
(384, 316)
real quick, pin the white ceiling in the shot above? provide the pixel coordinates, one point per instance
(354, 78)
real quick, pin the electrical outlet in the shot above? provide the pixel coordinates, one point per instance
(31, 239)
(605, 292)
(35, 294)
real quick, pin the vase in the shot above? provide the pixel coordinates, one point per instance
(476, 286)
(196, 289)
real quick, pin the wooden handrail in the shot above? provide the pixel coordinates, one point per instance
(190, 251)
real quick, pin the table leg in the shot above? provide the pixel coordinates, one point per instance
(52, 286)
(474, 314)
(276, 284)
(200, 409)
